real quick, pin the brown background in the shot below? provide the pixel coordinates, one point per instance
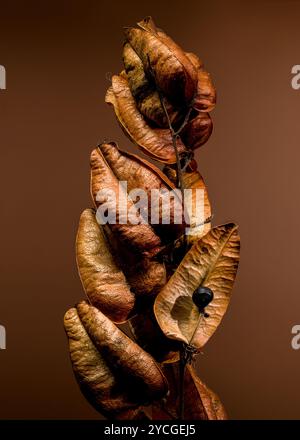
(58, 56)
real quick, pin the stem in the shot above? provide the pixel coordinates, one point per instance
(182, 364)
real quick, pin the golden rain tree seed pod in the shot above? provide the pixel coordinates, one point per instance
(211, 262)
(156, 142)
(141, 174)
(115, 381)
(197, 131)
(173, 72)
(140, 238)
(145, 93)
(103, 281)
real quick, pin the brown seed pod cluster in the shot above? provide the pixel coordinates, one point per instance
(147, 273)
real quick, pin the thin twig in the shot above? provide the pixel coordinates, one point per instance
(182, 364)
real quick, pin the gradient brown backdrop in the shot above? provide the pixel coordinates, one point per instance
(58, 56)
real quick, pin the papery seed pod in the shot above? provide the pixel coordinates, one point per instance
(145, 276)
(156, 142)
(195, 60)
(97, 383)
(145, 380)
(197, 131)
(144, 91)
(150, 337)
(205, 97)
(102, 279)
(200, 403)
(173, 72)
(212, 262)
(107, 193)
(201, 222)
(141, 174)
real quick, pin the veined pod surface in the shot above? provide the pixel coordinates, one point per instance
(211, 262)
(145, 93)
(142, 175)
(156, 142)
(108, 392)
(106, 192)
(133, 362)
(197, 131)
(200, 220)
(173, 72)
(103, 281)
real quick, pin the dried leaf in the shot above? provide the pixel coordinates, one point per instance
(140, 238)
(200, 403)
(211, 262)
(156, 142)
(150, 337)
(174, 73)
(141, 371)
(197, 131)
(102, 279)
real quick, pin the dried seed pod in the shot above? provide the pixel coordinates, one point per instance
(137, 80)
(205, 98)
(141, 174)
(156, 142)
(211, 262)
(173, 72)
(102, 279)
(97, 383)
(197, 131)
(145, 276)
(150, 337)
(144, 92)
(140, 238)
(195, 60)
(201, 220)
(135, 364)
(200, 403)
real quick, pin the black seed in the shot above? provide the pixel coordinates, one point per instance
(202, 297)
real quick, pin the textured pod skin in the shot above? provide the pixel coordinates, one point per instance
(102, 279)
(139, 173)
(211, 262)
(200, 403)
(197, 131)
(144, 91)
(156, 142)
(205, 99)
(96, 381)
(145, 276)
(133, 362)
(193, 180)
(140, 238)
(162, 58)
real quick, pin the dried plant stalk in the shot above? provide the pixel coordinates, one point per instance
(170, 281)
